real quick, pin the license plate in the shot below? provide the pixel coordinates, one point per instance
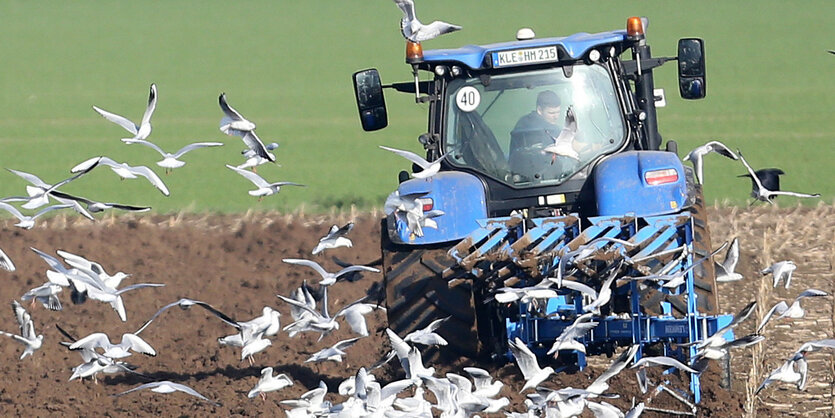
(525, 56)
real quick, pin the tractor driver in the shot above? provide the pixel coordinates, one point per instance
(532, 133)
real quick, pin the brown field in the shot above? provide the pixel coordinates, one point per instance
(235, 264)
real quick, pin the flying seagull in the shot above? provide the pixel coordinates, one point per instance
(232, 122)
(130, 342)
(94, 206)
(25, 221)
(6, 262)
(167, 387)
(269, 383)
(429, 168)
(696, 156)
(725, 271)
(27, 335)
(781, 270)
(124, 171)
(414, 31)
(335, 238)
(169, 160)
(265, 188)
(765, 183)
(562, 145)
(256, 154)
(140, 131)
(526, 360)
(39, 190)
(327, 277)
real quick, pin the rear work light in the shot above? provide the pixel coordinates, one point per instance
(656, 177)
(426, 203)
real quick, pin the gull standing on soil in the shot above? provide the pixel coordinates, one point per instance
(269, 383)
(166, 386)
(26, 221)
(759, 191)
(781, 270)
(124, 171)
(563, 143)
(27, 336)
(726, 270)
(526, 360)
(141, 131)
(696, 156)
(169, 160)
(265, 188)
(130, 342)
(417, 32)
(335, 238)
(329, 278)
(6, 262)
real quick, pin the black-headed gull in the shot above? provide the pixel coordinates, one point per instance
(91, 268)
(332, 353)
(414, 31)
(6, 262)
(427, 335)
(759, 191)
(563, 145)
(526, 360)
(166, 386)
(355, 316)
(186, 303)
(567, 340)
(27, 335)
(786, 373)
(726, 270)
(601, 384)
(335, 238)
(429, 169)
(781, 270)
(170, 160)
(94, 206)
(125, 171)
(696, 156)
(232, 122)
(140, 131)
(26, 221)
(46, 294)
(258, 153)
(327, 277)
(484, 384)
(39, 190)
(98, 290)
(265, 188)
(269, 383)
(130, 342)
(793, 311)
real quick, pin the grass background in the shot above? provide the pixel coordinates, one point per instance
(287, 66)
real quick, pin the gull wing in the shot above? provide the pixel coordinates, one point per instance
(662, 361)
(194, 146)
(251, 176)
(152, 105)
(411, 156)
(13, 210)
(31, 178)
(228, 110)
(525, 358)
(254, 143)
(147, 143)
(408, 8)
(6, 262)
(118, 119)
(135, 343)
(779, 309)
(309, 263)
(91, 342)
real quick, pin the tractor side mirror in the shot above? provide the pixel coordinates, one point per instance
(370, 100)
(691, 68)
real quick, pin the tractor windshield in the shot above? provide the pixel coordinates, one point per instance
(534, 128)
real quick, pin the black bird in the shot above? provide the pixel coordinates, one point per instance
(766, 183)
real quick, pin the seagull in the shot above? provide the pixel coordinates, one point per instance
(485, 386)
(269, 383)
(677, 278)
(355, 316)
(130, 342)
(98, 290)
(567, 340)
(794, 311)
(781, 270)
(329, 278)
(725, 271)
(765, 183)
(46, 294)
(124, 171)
(6, 262)
(333, 353)
(335, 238)
(562, 145)
(605, 293)
(267, 324)
(257, 156)
(27, 335)
(662, 361)
(94, 206)
(184, 304)
(166, 386)
(601, 384)
(717, 339)
(320, 322)
(429, 168)
(91, 268)
(526, 360)
(715, 352)
(696, 156)
(417, 32)
(93, 362)
(264, 188)
(786, 373)
(232, 122)
(27, 222)
(64, 277)
(170, 161)
(408, 208)
(39, 190)
(140, 131)
(311, 403)
(427, 335)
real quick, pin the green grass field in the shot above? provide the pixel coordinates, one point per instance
(287, 66)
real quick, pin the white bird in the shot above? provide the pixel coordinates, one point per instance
(166, 386)
(6, 262)
(677, 277)
(429, 168)
(169, 160)
(567, 340)
(605, 293)
(94, 206)
(184, 304)
(327, 277)
(355, 316)
(526, 360)
(27, 335)
(484, 385)
(130, 342)
(414, 31)
(668, 362)
(781, 270)
(696, 156)
(254, 345)
(717, 339)
(795, 311)
(601, 384)
(726, 271)
(333, 353)
(39, 190)
(26, 221)
(100, 364)
(604, 410)
(125, 171)
(98, 290)
(269, 383)
(141, 131)
(759, 192)
(563, 143)
(46, 294)
(92, 268)
(311, 403)
(786, 373)
(256, 153)
(335, 238)
(427, 335)
(265, 188)
(232, 122)
(408, 208)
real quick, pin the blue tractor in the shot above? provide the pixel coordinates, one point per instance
(518, 194)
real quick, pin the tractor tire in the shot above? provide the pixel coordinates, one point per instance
(417, 294)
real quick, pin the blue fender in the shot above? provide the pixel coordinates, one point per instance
(621, 186)
(460, 196)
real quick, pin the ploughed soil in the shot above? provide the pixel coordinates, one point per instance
(235, 264)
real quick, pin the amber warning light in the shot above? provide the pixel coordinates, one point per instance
(414, 51)
(634, 26)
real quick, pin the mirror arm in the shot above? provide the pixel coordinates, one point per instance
(631, 66)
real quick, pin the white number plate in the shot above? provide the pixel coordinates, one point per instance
(525, 56)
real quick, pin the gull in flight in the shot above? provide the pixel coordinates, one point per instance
(184, 304)
(46, 294)
(765, 183)
(93, 362)
(676, 278)
(526, 360)
(232, 122)
(668, 362)
(140, 131)
(124, 171)
(786, 372)
(781, 270)
(39, 190)
(130, 342)
(90, 268)
(25, 221)
(716, 343)
(167, 387)
(333, 353)
(27, 335)
(6, 262)
(408, 208)
(601, 384)
(417, 32)
(267, 325)
(355, 316)
(726, 270)
(696, 156)
(329, 278)
(171, 161)
(429, 168)
(265, 188)
(269, 383)
(94, 206)
(567, 340)
(257, 156)
(335, 238)
(795, 311)
(562, 145)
